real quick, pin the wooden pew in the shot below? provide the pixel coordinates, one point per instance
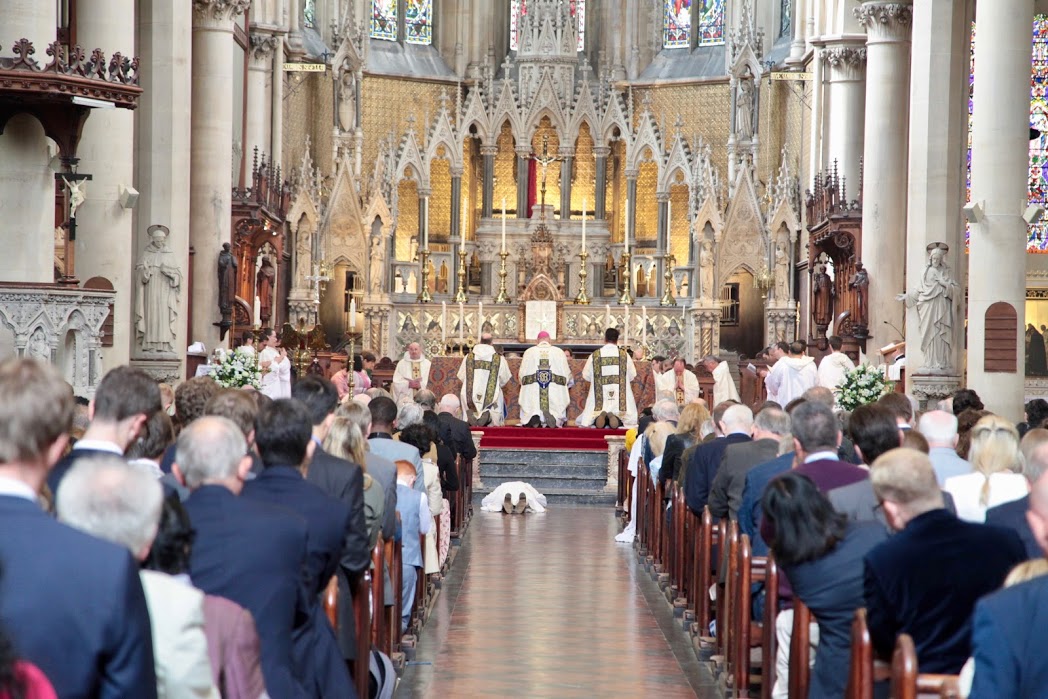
(746, 634)
(362, 618)
(860, 667)
(678, 532)
(725, 590)
(379, 632)
(708, 536)
(800, 650)
(643, 508)
(625, 482)
(330, 601)
(906, 683)
(769, 641)
(393, 563)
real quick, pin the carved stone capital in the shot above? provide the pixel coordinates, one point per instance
(885, 19)
(219, 11)
(844, 57)
(935, 387)
(601, 151)
(263, 46)
(489, 150)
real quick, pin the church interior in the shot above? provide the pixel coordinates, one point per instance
(707, 177)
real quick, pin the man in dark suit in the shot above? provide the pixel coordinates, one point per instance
(1010, 628)
(816, 437)
(249, 552)
(756, 481)
(124, 400)
(72, 604)
(453, 431)
(1012, 515)
(284, 433)
(926, 579)
(343, 481)
(769, 427)
(735, 424)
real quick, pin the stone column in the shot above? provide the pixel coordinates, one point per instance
(104, 241)
(600, 190)
(800, 18)
(565, 185)
(1000, 157)
(259, 94)
(523, 156)
(488, 186)
(36, 21)
(662, 242)
(845, 59)
(884, 187)
(210, 154)
(938, 123)
(162, 154)
(456, 204)
(816, 130)
(277, 106)
(631, 221)
(294, 37)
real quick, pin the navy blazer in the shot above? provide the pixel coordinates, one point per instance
(73, 606)
(253, 554)
(1008, 639)
(455, 433)
(757, 479)
(69, 460)
(925, 581)
(1012, 515)
(703, 468)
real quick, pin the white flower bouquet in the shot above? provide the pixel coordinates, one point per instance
(861, 386)
(236, 370)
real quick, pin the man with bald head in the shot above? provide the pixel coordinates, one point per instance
(412, 373)
(735, 424)
(454, 431)
(940, 429)
(545, 378)
(483, 372)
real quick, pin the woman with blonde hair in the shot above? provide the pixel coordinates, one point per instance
(996, 475)
(689, 433)
(345, 441)
(658, 433)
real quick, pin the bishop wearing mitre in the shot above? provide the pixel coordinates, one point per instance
(483, 373)
(723, 385)
(411, 375)
(683, 384)
(610, 371)
(544, 382)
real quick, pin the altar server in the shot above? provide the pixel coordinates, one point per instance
(610, 372)
(683, 384)
(723, 384)
(412, 373)
(483, 373)
(544, 382)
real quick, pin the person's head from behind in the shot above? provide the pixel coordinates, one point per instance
(284, 434)
(737, 418)
(800, 524)
(819, 394)
(912, 439)
(320, 398)
(239, 406)
(191, 398)
(426, 398)
(815, 429)
(657, 434)
(836, 343)
(796, 348)
(158, 433)
(173, 543)
(995, 446)
(383, 414)
(939, 428)
(346, 441)
(107, 498)
(772, 423)
(1032, 441)
(167, 397)
(1037, 514)
(212, 451)
(710, 363)
(900, 407)
(406, 474)
(36, 413)
(409, 414)
(449, 403)
(418, 436)
(691, 419)
(376, 392)
(611, 336)
(124, 400)
(905, 484)
(966, 399)
(718, 413)
(665, 411)
(873, 431)
(1036, 412)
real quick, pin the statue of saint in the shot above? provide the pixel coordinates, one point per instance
(822, 296)
(156, 293)
(706, 270)
(265, 280)
(860, 281)
(744, 106)
(347, 98)
(782, 273)
(378, 265)
(227, 280)
(934, 300)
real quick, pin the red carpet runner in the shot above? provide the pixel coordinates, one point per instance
(560, 439)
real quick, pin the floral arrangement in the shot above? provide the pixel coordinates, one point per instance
(861, 386)
(236, 370)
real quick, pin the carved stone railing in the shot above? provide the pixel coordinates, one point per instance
(56, 324)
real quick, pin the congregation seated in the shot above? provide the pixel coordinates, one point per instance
(687, 434)
(380, 439)
(378, 467)
(995, 479)
(770, 426)
(453, 430)
(423, 438)
(345, 441)
(1012, 514)
(415, 519)
(734, 424)
(816, 439)
(940, 429)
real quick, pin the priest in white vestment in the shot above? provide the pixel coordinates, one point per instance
(610, 372)
(411, 374)
(681, 383)
(483, 373)
(723, 384)
(544, 382)
(275, 366)
(835, 365)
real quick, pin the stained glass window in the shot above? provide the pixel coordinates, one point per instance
(786, 18)
(519, 8)
(309, 13)
(711, 22)
(418, 21)
(676, 24)
(384, 20)
(1038, 172)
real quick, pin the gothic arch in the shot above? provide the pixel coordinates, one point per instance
(678, 160)
(646, 137)
(443, 133)
(410, 159)
(506, 109)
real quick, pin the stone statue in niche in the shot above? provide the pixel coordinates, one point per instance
(782, 273)
(378, 266)
(933, 298)
(159, 281)
(822, 296)
(303, 254)
(227, 282)
(347, 97)
(860, 281)
(744, 106)
(265, 280)
(706, 270)
(413, 249)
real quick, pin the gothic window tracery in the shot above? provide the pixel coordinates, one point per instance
(711, 22)
(519, 8)
(676, 24)
(384, 19)
(418, 21)
(687, 23)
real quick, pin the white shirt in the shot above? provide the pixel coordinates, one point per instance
(967, 490)
(820, 455)
(98, 445)
(17, 489)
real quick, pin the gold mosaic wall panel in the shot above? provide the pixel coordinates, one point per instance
(679, 228)
(469, 211)
(546, 133)
(386, 106)
(308, 110)
(703, 109)
(505, 173)
(647, 221)
(615, 196)
(439, 200)
(584, 178)
(407, 218)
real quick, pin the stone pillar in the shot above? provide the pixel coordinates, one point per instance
(631, 221)
(565, 186)
(38, 22)
(488, 186)
(523, 157)
(162, 155)
(456, 204)
(104, 241)
(27, 203)
(259, 94)
(799, 20)
(884, 187)
(938, 122)
(210, 153)
(845, 59)
(276, 147)
(600, 190)
(817, 130)
(423, 229)
(294, 37)
(662, 242)
(1000, 157)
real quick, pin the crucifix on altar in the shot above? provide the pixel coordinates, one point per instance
(318, 282)
(74, 184)
(544, 161)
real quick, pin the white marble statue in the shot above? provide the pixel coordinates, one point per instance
(744, 106)
(782, 273)
(706, 269)
(159, 281)
(378, 265)
(934, 300)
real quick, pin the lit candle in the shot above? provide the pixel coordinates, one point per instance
(644, 328)
(607, 316)
(462, 320)
(503, 224)
(443, 323)
(425, 227)
(583, 224)
(353, 315)
(627, 236)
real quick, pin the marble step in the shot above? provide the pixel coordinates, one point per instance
(557, 497)
(511, 467)
(546, 483)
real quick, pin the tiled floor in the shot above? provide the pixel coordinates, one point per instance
(549, 606)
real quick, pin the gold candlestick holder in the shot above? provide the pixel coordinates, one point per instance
(423, 292)
(461, 296)
(582, 298)
(626, 298)
(503, 296)
(667, 277)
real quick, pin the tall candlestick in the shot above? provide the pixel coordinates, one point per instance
(425, 228)
(352, 315)
(627, 236)
(644, 324)
(583, 224)
(503, 224)
(443, 323)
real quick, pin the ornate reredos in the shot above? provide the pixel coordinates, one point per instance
(744, 244)
(342, 233)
